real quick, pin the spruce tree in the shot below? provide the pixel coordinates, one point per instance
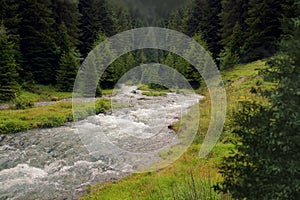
(233, 12)
(68, 66)
(263, 29)
(68, 63)
(10, 17)
(67, 12)
(95, 16)
(9, 87)
(233, 27)
(204, 18)
(231, 53)
(38, 40)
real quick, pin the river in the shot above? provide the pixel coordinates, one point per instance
(59, 163)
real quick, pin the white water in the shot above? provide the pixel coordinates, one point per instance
(59, 163)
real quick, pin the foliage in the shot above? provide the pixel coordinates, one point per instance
(228, 59)
(265, 162)
(204, 17)
(68, 64)
(95, 16)
(9, 87)
(37, 40)
(67, 13)
(10, 18)
(22, 103)
(263, 29)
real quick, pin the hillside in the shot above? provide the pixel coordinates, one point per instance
(191, 177)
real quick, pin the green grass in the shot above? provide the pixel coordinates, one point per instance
(154, 94)
(12, 121)
(108, 92)
(149, 88)
(43, 93)
(36, 93)
(190, 177)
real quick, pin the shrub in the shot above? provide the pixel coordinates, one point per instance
(22, 103)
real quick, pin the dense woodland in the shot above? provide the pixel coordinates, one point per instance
(45, 41)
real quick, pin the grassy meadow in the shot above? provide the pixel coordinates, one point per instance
(23, 115)
(191, 177)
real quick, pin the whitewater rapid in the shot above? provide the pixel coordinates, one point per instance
(59, 163)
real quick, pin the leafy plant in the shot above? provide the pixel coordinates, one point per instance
(22, 103)
(265, 164)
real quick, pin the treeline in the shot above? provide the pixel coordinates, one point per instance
(235, 30)
(44, 41)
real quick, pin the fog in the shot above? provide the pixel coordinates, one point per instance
(151, 10)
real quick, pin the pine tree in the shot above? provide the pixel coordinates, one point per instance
(67, 12)
(230, 56)
(68, 63)
(266, 162)
(37, 40)
(204, 18)
(233, 12)
(233, 27)
(10, 17)
(9, 87)
(263, 29)
(96, 16)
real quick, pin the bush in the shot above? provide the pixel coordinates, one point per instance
(13, 126)
(22, 103)
(102, 105)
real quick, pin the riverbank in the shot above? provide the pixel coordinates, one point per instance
(191, 177)
(60, 163)
(42, 106)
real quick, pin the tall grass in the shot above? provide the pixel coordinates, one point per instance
(192, 188)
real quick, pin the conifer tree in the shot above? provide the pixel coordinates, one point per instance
(9, 87)
(95, 16)
(38, 40)
(233, 12)
(10, 17)
(204, 18)
(67, 12)
(233, 27)
(263, 29)
(231, 53)
(265, 164)
(68, 62)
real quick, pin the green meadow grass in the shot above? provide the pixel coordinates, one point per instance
(154, 93)
(191, 177)
(12, 121)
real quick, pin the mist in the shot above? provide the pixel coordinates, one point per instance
(151, 10)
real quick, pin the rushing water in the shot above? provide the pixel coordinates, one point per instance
(54, 163)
